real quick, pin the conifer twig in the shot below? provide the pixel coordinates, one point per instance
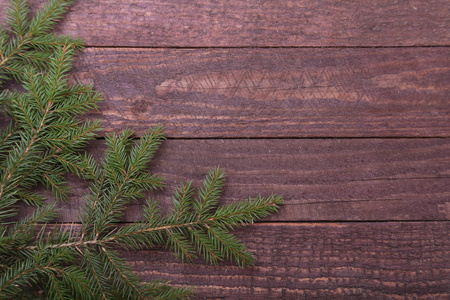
(46, 140)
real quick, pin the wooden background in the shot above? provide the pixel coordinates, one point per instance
(343, 107)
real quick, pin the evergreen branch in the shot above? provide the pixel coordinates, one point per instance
(116, 159)
(204, 246)
(116, 237)
(40, 25)
(17, 17)
(234, 215)
(121, 269)
(6, 137)
(88, 213)
(161, 290)
(151, 213)
(166, 228)
(15, 51)
(37, 165)
(63, 56)
(90, 166)
(270, 204)
(59, 72)
(179, 245)
(13, 164)
(35, 58)
(182, 201)
(4, 37)
(76, 103)
(41, 214)
(55, 286)
(31, 199)
(22, 105)
(121, 171)
(42, 143)
(96, 276)
(141, 155)
(45, 19)
(230, 245)
(34, 91)
(60, 69)
(77, 281)
(21, 272)
(111, 207)
(57, 188)
(52, 154)
(6, 208)
(210, 192)
(71, 164)
(47, 41)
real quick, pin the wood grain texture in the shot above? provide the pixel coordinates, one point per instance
(321, 261)
(332, 179)
(273, 92)
(341, 91)
(207, 23)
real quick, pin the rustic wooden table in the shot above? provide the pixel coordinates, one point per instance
(343, 107)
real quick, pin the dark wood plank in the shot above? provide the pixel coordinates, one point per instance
(205, 23)
(273, 92)
(332, 179)
(321, 261)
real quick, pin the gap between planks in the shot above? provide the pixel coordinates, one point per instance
(261, 47)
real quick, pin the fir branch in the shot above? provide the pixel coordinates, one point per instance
(75, 280)
(46, 18)
(230, 246)
(182, 202)
(43, 143)
(127, 283)
(210, 193)
(31, 199)
(94, 276)
(18, 17)
(204, 246)
(123, 234)
(27, 30)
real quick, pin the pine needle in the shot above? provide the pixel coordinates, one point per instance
(46, 139)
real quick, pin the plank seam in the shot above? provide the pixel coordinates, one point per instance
(101, 138)
(305, 222)
(264, 47)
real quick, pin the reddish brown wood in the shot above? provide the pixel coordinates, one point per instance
(273, 92)
(333, 179)
(321, 261)
(205, 23)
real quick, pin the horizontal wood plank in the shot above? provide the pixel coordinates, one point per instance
(288, 92)
(320, 261)
(273, 92)
(205, 23)
(331, 179)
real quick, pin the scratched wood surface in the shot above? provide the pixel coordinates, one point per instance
(327, 179)
(395, 260)
(273, 92)
(264, 23)
(341, 106)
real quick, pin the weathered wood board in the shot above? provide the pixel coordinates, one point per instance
(321, 261)
(273, 92)
(347, 110)
(264, 23)
(331, 179)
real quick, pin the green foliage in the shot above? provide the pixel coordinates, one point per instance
(45, 140)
